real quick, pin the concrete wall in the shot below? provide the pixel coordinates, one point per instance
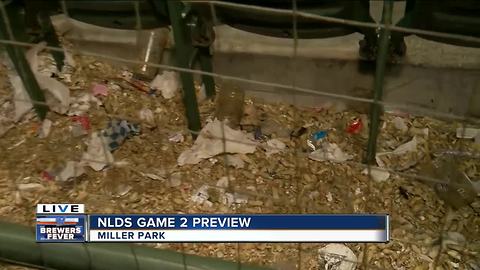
(433, 75)
(444, 89)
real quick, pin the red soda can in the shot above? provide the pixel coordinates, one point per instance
(354, 126)
(84, 121)
(47, 176)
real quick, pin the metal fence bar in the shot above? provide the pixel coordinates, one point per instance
(183, 52)
(298, 163)
(376, 109)
(209, 85)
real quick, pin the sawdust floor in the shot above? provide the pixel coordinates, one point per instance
(298, 185)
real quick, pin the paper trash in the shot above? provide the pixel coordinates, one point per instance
(381, 164)
(410, 146)
(337, 257)
(69, 61)
(22, 99)
(147, 116)
(176, 138)
(200, 195)
(45, 128)
(418, 131)
(153, 176)
(235, 161)
(400, 124)
(99, 89)
(58, 90)
(381, 175)
(30, 186)
(81, 104)
(274, 146)
(378, 175)
(240, 198)
(209, 143)
(175, 179)
(97, 156)
(167, 83)
(227, 198)
(223, 182)
(467, 133)
(331, 152)
(72, 169)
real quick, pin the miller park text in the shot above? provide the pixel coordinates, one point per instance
(131, 235)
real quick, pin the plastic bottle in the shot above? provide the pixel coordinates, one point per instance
(230, 104)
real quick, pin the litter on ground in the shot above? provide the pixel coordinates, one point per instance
(210, 143)
(330, 152)
(167, 83)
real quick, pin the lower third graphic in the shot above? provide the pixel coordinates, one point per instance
(60, 228)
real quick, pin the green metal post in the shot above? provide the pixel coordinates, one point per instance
(17, 55)
(382, 56)
(183, 52)
(206, 65)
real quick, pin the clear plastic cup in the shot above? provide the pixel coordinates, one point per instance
(230, 104)
(151, 44)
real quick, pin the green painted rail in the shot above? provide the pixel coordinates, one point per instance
(18, 246)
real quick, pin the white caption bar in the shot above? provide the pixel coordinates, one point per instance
(238, 236)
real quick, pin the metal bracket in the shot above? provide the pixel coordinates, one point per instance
(201, 30)
(202, 36)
